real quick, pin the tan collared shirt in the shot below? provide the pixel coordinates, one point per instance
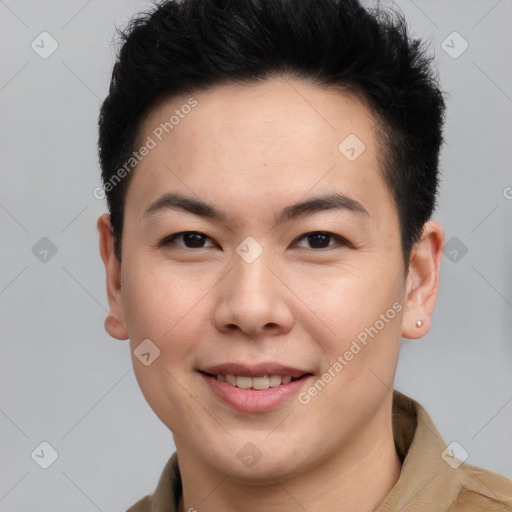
(429, 481)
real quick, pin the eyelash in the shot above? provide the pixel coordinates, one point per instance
(340, 241)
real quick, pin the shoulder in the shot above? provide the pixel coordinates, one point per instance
(482, 490)
(143, 505)
(167, 491)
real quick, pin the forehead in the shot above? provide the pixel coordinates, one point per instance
(260, 143)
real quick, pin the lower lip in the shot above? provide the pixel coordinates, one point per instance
(250, 400)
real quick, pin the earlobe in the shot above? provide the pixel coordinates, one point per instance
(114, 328)
(422, 284)
(115, 324)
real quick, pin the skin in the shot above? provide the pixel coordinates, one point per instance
(251, 150)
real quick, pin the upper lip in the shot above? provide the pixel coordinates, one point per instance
(257, 370)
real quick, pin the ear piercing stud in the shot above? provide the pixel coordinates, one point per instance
(419, 323)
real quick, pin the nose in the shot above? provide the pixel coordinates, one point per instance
(254, 299)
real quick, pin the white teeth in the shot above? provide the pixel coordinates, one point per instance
(260, 382)
(231, 379)
(243, 382)
(263, 382)
(274, 380)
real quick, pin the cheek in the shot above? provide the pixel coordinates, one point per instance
(160, 308)
(161, 305)
(350, 305)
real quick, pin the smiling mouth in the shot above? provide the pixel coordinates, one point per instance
(255, 383)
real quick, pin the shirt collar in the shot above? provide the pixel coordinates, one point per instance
(425, 476)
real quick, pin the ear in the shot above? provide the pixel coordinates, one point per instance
(422, 283)
(115, 324)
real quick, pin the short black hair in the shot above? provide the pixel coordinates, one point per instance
(182, 47)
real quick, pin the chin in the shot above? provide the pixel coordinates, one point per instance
(252, 466)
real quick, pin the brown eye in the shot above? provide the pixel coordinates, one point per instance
(321, 240)
(187, 239)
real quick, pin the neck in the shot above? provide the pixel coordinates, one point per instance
(341, 478)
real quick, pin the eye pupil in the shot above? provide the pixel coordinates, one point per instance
(193, 239)
(319, 238)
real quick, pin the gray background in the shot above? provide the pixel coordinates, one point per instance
(63, 380)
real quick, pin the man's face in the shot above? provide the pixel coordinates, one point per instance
(255, 288)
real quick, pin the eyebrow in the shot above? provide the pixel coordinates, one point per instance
(334, 201)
